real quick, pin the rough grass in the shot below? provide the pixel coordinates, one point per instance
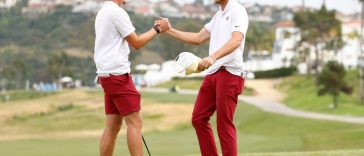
(302, 94)
(22, 95)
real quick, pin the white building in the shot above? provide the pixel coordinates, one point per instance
(349, 54)
(87, 6)
(284, 51)
(142, 7)
(39, 6)
(7, 3)
(195, 11)
(286, 36)
(168, 8)
(67, 2)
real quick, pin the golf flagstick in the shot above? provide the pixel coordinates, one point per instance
(146, 145)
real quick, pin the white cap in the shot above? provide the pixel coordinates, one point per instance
(187, 62)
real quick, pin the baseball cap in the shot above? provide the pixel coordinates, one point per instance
(187, 62)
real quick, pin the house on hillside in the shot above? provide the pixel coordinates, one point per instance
(39, 6)
(286, 37)
(142, 7)
(195, 10)
(6, 4)
(285, 49)
(168, 8)
(349, 54)
(87, 6)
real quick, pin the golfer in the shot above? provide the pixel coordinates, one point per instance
(224, 79)
(114, 34)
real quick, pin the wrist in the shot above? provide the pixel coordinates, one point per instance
(169, 31)
(212, 58)
(157, 29)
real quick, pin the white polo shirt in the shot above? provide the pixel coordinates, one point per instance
(233, 18)
(112, 26)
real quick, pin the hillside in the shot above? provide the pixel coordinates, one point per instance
(301, 93)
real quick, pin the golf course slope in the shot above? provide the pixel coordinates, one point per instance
(70, 123)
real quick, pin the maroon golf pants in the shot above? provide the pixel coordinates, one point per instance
(219, 92)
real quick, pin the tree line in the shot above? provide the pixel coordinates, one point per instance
(34, 47)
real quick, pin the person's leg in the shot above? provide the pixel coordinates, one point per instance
(204, 108)
(108, 139)
(134, 123)
(122, 98)
(227, 97)
(127, 101)
(113, 124)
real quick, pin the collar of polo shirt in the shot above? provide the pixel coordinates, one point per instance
(110, 3)
(228, 6)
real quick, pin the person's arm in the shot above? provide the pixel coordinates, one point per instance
(229, 47)
(239, 26)
(189, 37)
(138, 42)
(125, 27)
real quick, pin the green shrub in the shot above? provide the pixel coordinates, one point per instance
(275, 73)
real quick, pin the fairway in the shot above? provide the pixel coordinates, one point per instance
(73, 130)
(194, 84)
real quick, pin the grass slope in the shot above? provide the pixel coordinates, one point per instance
(258, 132)
(302, 94)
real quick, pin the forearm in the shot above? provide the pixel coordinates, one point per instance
(227, 49)
(145, 38)
(187, 37)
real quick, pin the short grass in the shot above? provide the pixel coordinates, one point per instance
(317, 153)
(258, 132)
(193, 84)
(302, 94)
(88, 147)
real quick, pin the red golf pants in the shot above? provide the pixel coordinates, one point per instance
(219, 92)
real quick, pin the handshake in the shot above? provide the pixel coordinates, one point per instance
(163, 24)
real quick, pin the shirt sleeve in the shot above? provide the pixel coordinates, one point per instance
(240, 21)
(123, 23)
(208, 26)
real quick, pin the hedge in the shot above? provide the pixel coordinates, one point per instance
(275, 73)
